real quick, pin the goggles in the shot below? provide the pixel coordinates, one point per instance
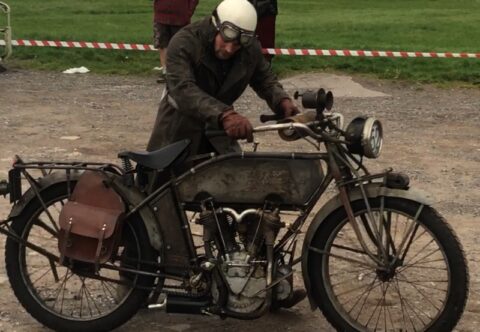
(230, 32)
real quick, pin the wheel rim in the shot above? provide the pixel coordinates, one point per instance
(410, 295)
(60, 290)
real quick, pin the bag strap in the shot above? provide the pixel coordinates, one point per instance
(66, 239)
(101, 237)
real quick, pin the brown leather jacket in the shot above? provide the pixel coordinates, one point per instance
(198, 90)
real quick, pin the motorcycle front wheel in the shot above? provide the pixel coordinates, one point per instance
(74, 298)
(419, 281)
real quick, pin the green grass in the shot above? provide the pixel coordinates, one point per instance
(410, 25)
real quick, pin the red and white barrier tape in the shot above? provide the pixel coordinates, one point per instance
(363, 53)
(273, 51)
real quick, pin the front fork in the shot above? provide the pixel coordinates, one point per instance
(381, 257)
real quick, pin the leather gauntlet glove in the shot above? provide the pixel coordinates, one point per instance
(236, 126)
(287, 108)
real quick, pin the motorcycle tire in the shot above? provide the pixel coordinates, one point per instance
(424, 289)
(71, 300)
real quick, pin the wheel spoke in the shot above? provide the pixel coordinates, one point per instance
(350, 280)
(80, 295)
(61, 286)
(47, 228)
(423, 257)
(366, 292)
(416, 266)
(404, 308)
(104, 286)
(417, 314)
(41, 276)
(86, 297)
(418, 283)
(350, 271)
(358, 251)
(425, 261)
(389, 316)
(352, 290)
(88, 294)
(347, 259)
(382, 298)
(428, 298)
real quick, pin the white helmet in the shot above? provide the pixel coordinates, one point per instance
(238, 12)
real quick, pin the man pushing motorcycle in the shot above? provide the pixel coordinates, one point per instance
(210, 64)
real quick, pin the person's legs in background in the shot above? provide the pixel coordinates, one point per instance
(266, 33)
(162, 34)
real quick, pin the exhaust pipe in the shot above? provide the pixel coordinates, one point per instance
(182, 305)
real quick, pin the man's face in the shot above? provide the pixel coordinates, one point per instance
(225, 50)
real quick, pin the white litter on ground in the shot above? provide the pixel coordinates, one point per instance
(70, 138)
(78, 70)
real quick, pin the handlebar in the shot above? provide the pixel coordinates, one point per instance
(303, 128)
(274, 127)
(270, 117)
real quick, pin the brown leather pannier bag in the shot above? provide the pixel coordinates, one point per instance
(90, 222)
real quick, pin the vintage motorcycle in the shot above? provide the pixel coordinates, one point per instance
(91, 243)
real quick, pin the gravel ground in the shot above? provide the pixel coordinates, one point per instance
(431, 134)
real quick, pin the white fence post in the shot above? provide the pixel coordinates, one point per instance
(6, 33)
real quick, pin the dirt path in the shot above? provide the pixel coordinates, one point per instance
(431, 134)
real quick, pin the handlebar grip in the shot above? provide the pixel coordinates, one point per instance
(215, 133)
(270, 117)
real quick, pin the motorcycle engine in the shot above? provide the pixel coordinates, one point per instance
(244, 282)
(243, 264)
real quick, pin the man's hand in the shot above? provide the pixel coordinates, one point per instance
(287, 108)
(236, 126)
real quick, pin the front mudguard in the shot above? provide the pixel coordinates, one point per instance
(372, 190)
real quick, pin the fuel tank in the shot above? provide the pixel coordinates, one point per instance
(251, 179)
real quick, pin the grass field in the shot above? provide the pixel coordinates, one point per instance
(410, 25)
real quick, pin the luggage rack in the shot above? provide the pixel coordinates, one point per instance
(22, 170)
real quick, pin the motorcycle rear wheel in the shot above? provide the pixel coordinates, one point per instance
(66, 300)
(426, 291)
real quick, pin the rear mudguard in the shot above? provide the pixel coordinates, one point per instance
(43, 183)
(131, 195)
(134, 197)
(372, 190)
